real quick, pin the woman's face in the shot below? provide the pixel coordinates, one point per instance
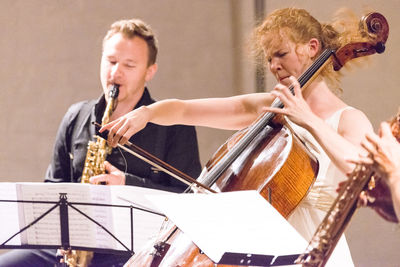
(287, 59)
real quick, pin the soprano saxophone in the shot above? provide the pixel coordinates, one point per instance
(97, 152)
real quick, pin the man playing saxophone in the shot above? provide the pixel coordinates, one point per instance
(128, 61)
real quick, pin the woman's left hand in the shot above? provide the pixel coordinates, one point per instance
(295, 107)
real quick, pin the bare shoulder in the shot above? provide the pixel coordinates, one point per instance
(351, 114)
(354, 121)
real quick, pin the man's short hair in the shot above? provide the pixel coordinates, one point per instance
(136, 27)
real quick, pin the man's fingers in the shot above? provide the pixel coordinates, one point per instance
(98, 179)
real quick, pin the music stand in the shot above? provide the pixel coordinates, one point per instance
(63, 204)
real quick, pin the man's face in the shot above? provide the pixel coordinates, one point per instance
(124, 62)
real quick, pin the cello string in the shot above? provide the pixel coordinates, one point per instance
(211, 177)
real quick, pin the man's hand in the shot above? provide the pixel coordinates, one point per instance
(69, 255)
(113, 176)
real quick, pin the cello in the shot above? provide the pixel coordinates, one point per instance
(266, 157)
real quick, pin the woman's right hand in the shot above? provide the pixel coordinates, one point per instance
(123, 128)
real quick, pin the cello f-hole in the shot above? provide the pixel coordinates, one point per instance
(269, 195)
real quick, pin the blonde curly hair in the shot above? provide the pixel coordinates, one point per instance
(298, 26)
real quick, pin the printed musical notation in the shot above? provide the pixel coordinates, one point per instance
(82, 231)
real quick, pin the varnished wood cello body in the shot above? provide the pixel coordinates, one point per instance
(266, 157)
(279, 167)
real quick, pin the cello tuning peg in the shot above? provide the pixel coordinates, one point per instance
(380, 48)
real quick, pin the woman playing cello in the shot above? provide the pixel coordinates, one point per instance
(290, 40)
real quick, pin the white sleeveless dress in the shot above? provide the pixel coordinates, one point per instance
(313, 208)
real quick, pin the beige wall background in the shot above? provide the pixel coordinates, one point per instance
(50, 54)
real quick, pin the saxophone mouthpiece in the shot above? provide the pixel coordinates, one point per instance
(114, 91)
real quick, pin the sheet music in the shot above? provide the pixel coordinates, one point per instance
(145, 225)
(83, 232)
(238, 222)
(47, 230)
(9, 214)
(103, 215)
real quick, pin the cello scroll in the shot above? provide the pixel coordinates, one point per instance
(375, 28)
